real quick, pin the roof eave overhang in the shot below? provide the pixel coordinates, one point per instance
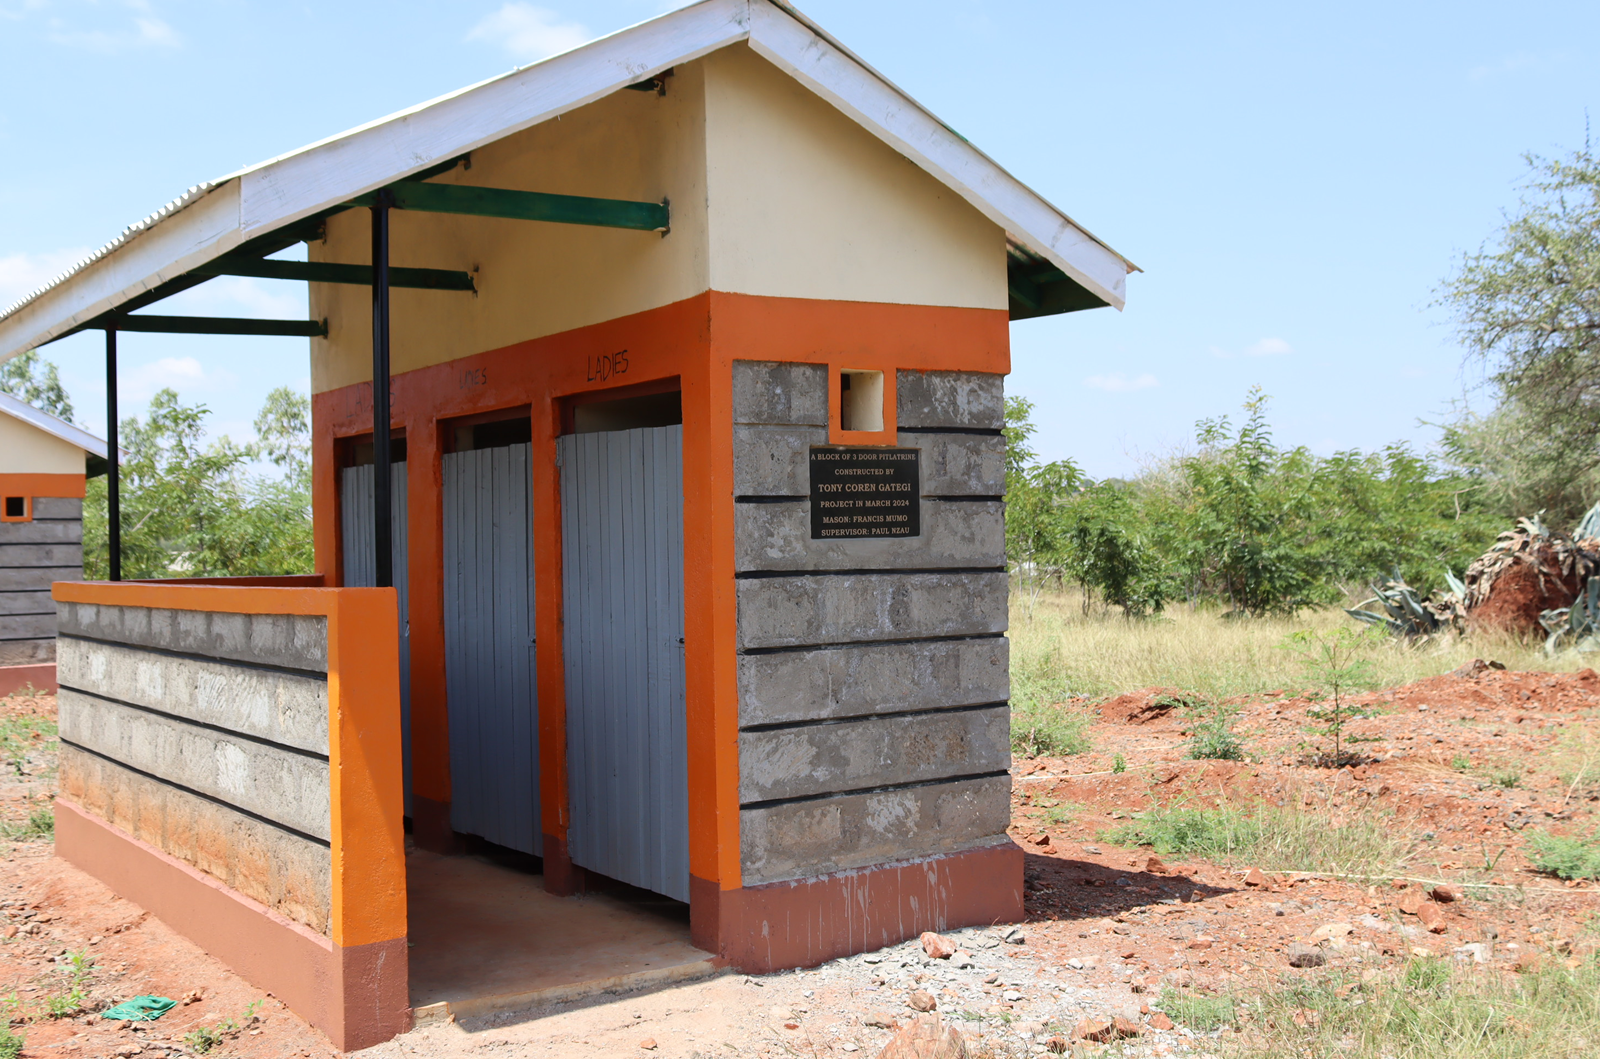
(213, 220)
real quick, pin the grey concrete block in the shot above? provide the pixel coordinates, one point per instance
(288, 873)
(25, 578)
(37, 532)
(27, 626)
(54, 507)
(954, 534)
(295, 641)
(949, 399)
(849, 608)
(27, 652)
(872, 752)
(774, 461)
(284, 708)
(60, 554)
(37, 601)
(780, 393)
(796, 840)
(788, 686)
(280, 785)
(960, 464)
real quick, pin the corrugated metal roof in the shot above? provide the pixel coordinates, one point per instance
(319, 176)
(131, 232)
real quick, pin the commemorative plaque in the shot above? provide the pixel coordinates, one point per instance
(862, 492)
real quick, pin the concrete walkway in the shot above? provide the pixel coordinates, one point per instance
(487, 938)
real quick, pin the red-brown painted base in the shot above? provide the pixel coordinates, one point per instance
(39, 677)
(430, 826)
(806, 921)
(358, 996)
(561, 877)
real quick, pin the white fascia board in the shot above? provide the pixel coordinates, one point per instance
(372, 156)
(203, 230)
(878, 106)
(20, 409)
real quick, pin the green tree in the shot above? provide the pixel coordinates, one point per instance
(1528, 308)
(195, 510)
(31, 378)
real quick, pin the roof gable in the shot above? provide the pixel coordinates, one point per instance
(22, 411)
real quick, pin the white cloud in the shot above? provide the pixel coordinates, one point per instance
(1268, 347)
(241, 296)
(528, 32)
(184, 374)
(1514, 63)
(147, 30)
(1119, 383)
(22, 274)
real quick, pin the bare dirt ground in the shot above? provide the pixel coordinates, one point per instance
(1459, 769)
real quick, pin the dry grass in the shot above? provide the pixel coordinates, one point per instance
(1099, 654)
(1430, 1009)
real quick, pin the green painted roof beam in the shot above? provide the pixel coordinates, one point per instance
(527, 206)
(330, 272)
(213, 325)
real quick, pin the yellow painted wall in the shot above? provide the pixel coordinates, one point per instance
(534, 279)
(25, 449)
(805, 203)
(773, 192)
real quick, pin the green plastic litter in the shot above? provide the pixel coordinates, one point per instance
(140, 1009)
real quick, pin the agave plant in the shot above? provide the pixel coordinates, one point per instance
(1575, 627)
(1408, 615)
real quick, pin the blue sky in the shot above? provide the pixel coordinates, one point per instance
(1294, 179)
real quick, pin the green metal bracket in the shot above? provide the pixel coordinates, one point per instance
(330, 272)
(213, 325)
(528, 206)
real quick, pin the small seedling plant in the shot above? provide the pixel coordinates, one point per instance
(1337, 664)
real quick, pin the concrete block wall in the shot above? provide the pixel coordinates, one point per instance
(32, 555)
(873, 674)
(205, 735)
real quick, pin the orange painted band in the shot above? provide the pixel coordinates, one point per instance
(70, 486)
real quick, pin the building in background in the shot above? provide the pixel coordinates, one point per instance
(44, 464)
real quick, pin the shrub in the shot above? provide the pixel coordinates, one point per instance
(1212, 737)
(1566, 857)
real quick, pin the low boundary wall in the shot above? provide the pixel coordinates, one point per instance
(231, 762)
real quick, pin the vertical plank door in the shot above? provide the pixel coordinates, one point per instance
(489, 646)
(622, 587)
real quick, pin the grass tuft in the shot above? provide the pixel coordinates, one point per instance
(1041, 722)
(1566, 856)
(1196, 1010)
(1289, 839)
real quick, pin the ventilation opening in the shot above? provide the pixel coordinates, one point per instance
(493, 435)
(861, 400)
(358, 451)
(16, 507)
(629, 413)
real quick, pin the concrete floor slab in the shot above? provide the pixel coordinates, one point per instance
(487, 938)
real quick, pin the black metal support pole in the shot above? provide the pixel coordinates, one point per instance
(382, 485)
(113, 465)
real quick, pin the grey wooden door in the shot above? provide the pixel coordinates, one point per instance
(489, 646)
(622, 582)
(360, 570)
